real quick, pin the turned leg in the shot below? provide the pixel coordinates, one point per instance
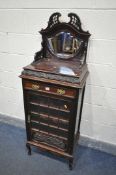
(71, 164)
(28, 148)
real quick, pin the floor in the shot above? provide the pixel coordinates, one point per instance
(15, 161)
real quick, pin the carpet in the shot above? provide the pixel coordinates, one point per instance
(14, 159)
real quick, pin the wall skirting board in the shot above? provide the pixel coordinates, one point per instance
(99, 145)
(84, 141)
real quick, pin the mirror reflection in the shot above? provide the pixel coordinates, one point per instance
(64, 45)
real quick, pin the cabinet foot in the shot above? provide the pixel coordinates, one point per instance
(71, 164)
(28, 148)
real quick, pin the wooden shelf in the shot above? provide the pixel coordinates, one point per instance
(50, 107)
(50, 149)
(50, 134)
(53, 117)
(46, 144)
(50, 125)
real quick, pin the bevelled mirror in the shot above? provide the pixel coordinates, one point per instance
(64, 44)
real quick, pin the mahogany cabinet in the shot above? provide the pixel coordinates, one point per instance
(53, 88)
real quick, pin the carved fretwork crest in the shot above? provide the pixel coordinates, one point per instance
(74, 20)
(54, 19)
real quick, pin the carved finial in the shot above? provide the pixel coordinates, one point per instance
(54, 19)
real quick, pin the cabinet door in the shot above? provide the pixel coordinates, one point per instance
(50, 119)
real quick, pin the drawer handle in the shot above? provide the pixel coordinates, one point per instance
(35, 87)
(47, 88)
(61, 91)
(65, 106)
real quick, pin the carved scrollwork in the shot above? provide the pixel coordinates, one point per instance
(38, 55)
(75, 21)
(54, 19)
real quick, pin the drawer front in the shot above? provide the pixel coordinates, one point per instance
(51, 89)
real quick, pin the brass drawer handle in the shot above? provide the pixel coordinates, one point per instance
(35, 87)
(61, 91)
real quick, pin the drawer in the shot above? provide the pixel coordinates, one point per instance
(49, 88)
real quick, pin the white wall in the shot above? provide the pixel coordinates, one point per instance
(19, 39)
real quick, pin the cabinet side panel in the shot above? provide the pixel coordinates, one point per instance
(78, 111)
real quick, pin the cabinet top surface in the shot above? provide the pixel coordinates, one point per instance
(56, 66)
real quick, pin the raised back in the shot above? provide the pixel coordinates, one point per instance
(63, 40)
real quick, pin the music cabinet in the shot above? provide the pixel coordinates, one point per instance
(53, 88)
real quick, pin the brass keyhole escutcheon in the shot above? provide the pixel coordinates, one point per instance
(61, 91)
(35, 86)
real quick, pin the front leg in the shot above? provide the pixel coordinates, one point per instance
(28, 148)
(70, 164)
